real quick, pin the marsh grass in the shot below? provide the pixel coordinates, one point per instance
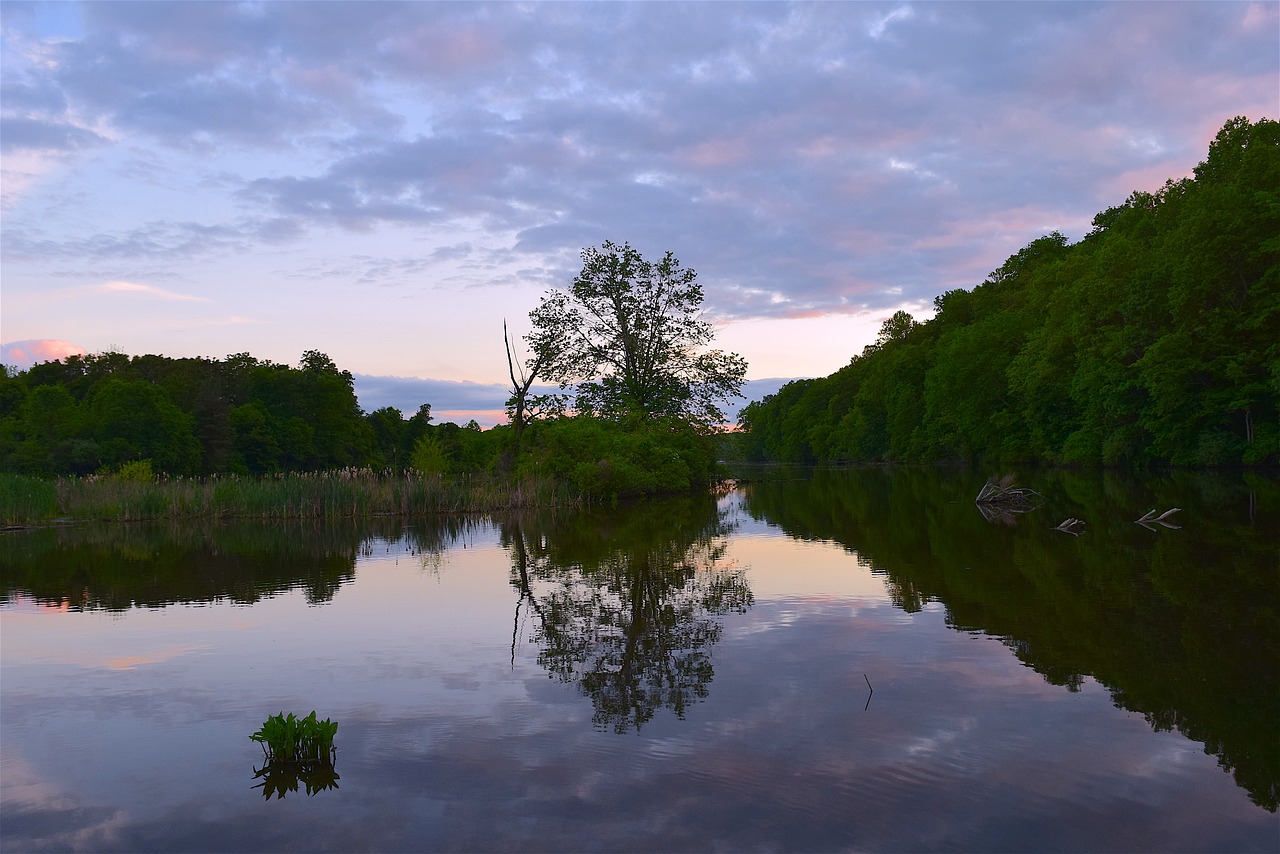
(25, 499)
(342, 493)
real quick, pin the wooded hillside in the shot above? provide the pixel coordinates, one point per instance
(1154, 340)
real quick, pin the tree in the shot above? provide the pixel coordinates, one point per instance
(629, 335)
(896, 328)
(523, 407)
(388, 427)
(134, 420)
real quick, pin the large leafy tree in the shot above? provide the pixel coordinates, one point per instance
(629, 335)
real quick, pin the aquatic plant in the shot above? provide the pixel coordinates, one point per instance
(296, 750)
(296, 739)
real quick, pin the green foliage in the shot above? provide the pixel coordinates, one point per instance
(296, 749)
(137, 471)
(599, 458)
(193, 416)
(296, 739)
(1152, 341)
(151, 437)
(629, 335)
(389, 433)
(428, 455)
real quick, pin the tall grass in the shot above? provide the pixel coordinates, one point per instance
(341, 493)
(24, 499)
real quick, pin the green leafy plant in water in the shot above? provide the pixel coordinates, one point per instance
(296, 749)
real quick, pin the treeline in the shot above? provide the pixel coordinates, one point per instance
(150, 415)
(1155, 340)
(90, 414)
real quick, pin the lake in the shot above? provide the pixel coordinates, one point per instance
(831, 660)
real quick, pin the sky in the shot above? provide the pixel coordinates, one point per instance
(387, 183)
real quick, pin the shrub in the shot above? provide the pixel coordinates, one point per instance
(428, 456)
(135, 471)
(605, 459)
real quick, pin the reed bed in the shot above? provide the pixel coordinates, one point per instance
(342, 493)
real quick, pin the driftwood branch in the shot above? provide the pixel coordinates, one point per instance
(1072, 526)
(1001, 497)
(1149, 519)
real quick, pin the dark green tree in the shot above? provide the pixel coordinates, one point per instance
(389, 431)
(630, 336)
(134, 420)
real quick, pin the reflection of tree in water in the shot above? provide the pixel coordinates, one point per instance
(430, 539)
(118, 567)
(1181, 629)
(624, 603)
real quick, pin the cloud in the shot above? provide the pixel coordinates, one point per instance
(23, 354)
(449, 399)
(171, 241)
(881, 23)
(19, 134)
(134, 289)
(459, 402)
(829, 155)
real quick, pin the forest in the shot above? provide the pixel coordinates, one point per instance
(144, 416)
(638, 414)
(1153, 341)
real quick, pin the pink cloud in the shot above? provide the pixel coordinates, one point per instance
(438, 49)
(1258, 17)
(1149, 179)
(1007, 228)
(723, 151)
(24, 354)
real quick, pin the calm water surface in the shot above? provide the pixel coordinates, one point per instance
(817, 661)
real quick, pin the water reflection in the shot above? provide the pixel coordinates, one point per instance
(279, 777)
(453, 712)
(625, 605)
(117, 567)
(1181, 625)
(195, 562)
